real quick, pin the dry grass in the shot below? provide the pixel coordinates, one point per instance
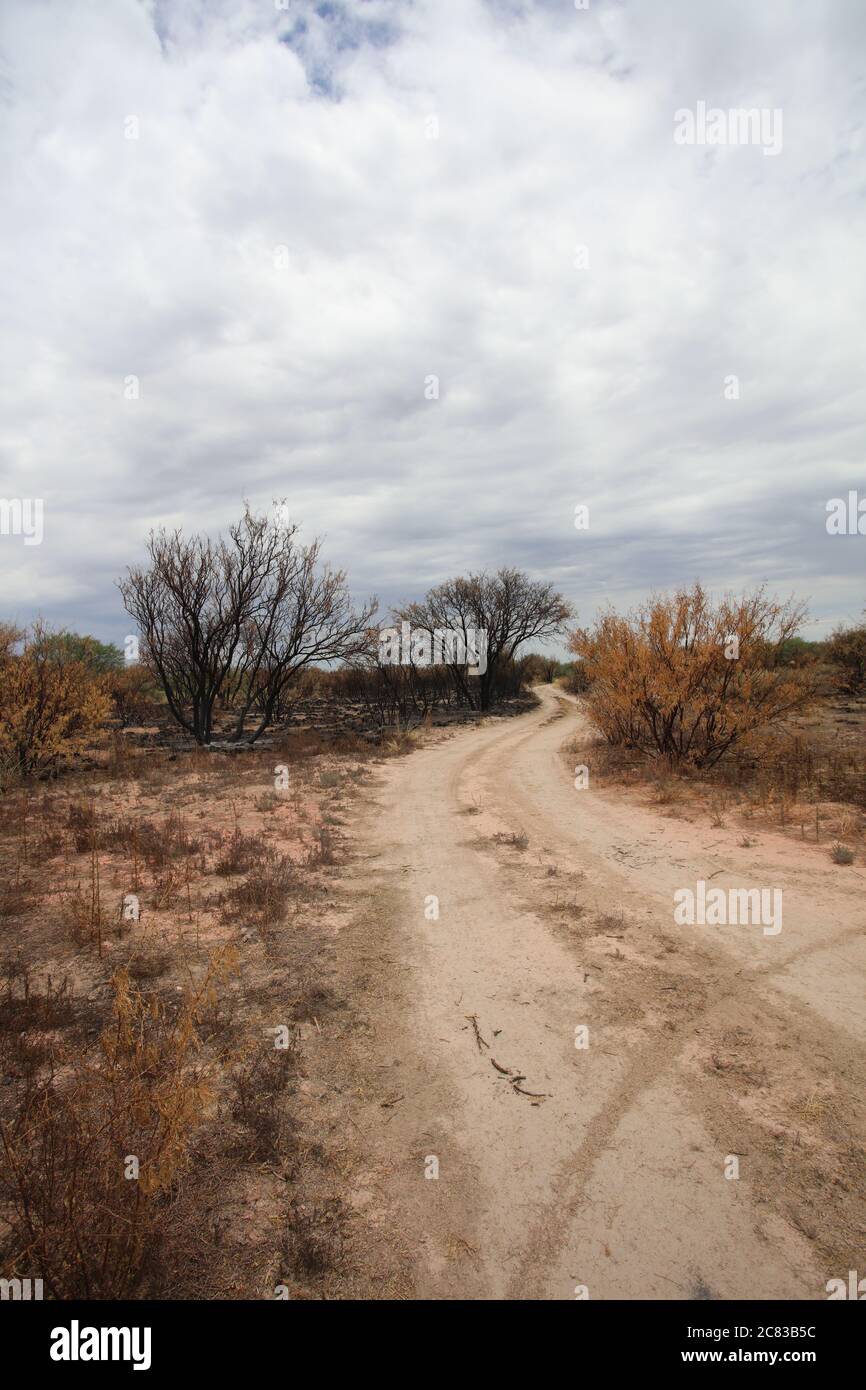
(517, 839)
(313, 1238)
(259, 1084)
(97, 1140)
(807, 778)
(118, 1038)
(841, 854)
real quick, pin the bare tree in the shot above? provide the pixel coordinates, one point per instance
(235, 619)
(394, 694)
(509, 607)
(312, 622)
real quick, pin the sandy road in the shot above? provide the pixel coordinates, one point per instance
(703, 1042)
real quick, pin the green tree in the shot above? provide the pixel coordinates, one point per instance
(99, 657)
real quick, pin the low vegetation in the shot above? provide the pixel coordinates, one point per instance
(167, 872)
(688, 681)
(50, 704)
(164, 942)
(726, 706)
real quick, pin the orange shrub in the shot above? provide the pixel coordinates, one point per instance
(686, 680)
(74, 1208)
(134, 695)
(846, 650)
(48, 708)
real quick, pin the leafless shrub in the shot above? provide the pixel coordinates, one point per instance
(314, 1238)
(16, 896)
(322, 849)
(517, 839)
(148, 964)
(261, 897)
(259, 1084)
(239, 855)
(155, 843)
(313, 1002)
(26, 1009)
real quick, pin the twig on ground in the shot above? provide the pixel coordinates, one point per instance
(473, 1019)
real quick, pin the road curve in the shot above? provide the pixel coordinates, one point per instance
(575, 1096)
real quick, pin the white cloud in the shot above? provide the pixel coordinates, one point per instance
(307, 128)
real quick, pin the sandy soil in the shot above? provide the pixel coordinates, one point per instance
(599, 1168)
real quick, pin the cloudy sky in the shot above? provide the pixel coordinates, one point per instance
(284, 218)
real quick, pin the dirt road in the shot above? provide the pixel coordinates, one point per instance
(584, 1074)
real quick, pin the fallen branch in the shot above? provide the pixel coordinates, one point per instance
(515, 1079)
(473, 1019)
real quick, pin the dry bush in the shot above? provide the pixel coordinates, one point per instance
(156, 844)
(313, 1001)
(24, 1008)
(576, 681)
(797, 765)
(148, 963)
(10, 638)
(398, 744)
(314, 1238)
(687, 681)
(16, 895)
(322, 849)
(166, 890)
(73, 1214)
(846, 651)
(239, 855)
(134, 695)
(260, 898)
(517, 839)
(47, 846)
(259, 1084)
(37, 823)
(80, 821)
(126, 762)
(48, 708)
